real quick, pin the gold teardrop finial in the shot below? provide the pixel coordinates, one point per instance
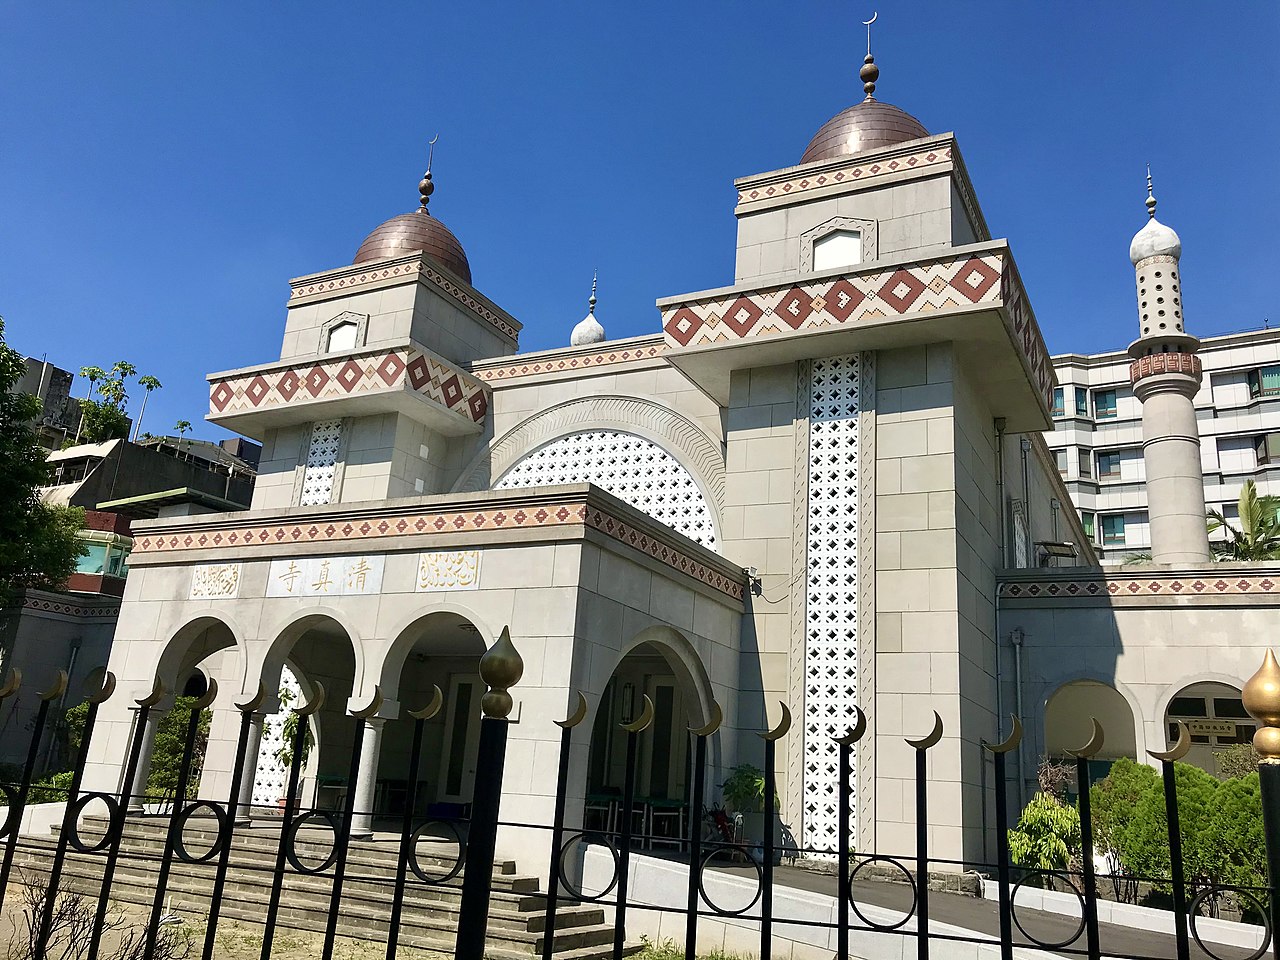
(501, 668)
(1262, 700)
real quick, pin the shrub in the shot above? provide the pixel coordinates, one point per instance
(1047, 836)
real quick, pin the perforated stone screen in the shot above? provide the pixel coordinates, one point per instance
(631, 468)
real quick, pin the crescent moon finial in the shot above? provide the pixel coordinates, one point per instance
(924, 743)
(210, 694)
(59, 685)
(1014, 738)
(253, 703)
(1178, 750)
(155, 696)
(579, 714)
(105, 690)
(867, 24)
(642, 721)
(374, 705)
(12, 683)
(712, 725)
(854, 735)
(314, 704)
(432, 708)
(1091, 748)
(780, 731)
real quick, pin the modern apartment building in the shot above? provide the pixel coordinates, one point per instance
(1097, 435)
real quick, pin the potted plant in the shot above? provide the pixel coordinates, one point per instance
(744, 792)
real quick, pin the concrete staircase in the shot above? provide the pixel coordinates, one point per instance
(429, 919)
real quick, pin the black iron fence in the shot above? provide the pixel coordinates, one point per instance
(469, 870)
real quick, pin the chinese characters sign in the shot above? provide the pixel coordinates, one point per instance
(325, 576)
(449, 570)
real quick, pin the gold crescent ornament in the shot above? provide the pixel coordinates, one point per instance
(1012, 741)
(854, 735)
(780, 731)
(432, 707)
(579, 714)
(1096, 739)
(934, 735)
(642, 721)
(712, 725)
(1178, 750)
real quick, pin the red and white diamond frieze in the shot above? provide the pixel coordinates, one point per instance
(858, 173)
(350, 376)
(568, 363)
(920, 288)
(1233, 584)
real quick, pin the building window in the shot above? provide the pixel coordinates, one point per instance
(1082, 402)
(1113, 529)
(1086, 520)
(1086, 463)
(1109, 465)
(1264, 382)
(1061, 457)
(841, 248)
(95, 560)
(1057, 401)
(1268, 449)
(1104, 404)
(342, 337)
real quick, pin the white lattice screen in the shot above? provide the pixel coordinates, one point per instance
(322, 459)
(271, 777)
(629, 467)
(831, 603)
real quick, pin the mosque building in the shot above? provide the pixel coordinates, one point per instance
(824, 485)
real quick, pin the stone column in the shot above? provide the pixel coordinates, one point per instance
(139, 785)
(367, 780)
(244, 802)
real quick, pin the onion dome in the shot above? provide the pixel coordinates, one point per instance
(588, 330)
(869, 125)
(417, 232)
(1154, 239)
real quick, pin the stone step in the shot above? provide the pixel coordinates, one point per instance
(430, 915)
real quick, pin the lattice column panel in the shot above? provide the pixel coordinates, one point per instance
(629, 467)
(322, 461)
(272, 776)
(831, 601)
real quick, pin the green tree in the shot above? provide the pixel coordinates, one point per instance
(1047, 836)
(1113, 799)
(93, 375)
(101, 421)
(1144, 846)
(38, 543)
(148, 383)
(1258, 535)
(1235, 832)
(182, 427)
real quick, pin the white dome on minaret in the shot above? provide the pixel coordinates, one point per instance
(1154, 239)
(588, 330)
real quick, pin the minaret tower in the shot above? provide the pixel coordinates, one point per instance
(1166, 374)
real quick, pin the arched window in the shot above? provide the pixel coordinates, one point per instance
(629, 467)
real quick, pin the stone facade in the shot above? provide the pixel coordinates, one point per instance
(807, 488)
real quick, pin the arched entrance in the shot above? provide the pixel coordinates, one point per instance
(664, 774)
(442, 648)
(316, 649)
(1067, 724)
(1216, 718)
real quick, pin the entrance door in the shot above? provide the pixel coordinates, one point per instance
(461, 739)
(663, 773)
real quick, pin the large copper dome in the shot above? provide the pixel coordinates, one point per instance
(416, 232)
(869, 125)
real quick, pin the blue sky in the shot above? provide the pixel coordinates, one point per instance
(166, 168)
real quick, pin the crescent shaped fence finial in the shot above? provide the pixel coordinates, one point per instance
(209, 695)
(11, 683)
(1178, 750)
(856, 734)
(934, 735)
(105, 689)
(780, 731)
(432, 707)
(371, 711)
(1012, 741)
(253, 703)
(642, 721)
(314, 704)
(1096, 739)
(58, 688)
(579, 714)
(154, 697)
(712, 725)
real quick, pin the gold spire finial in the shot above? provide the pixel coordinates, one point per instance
(500, 668)
(1151, 198)
(869, 72)
(425, 186)
(1261, 697)
(591, 304)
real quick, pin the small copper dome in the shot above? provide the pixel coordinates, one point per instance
(869, 125)
(413, 233)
